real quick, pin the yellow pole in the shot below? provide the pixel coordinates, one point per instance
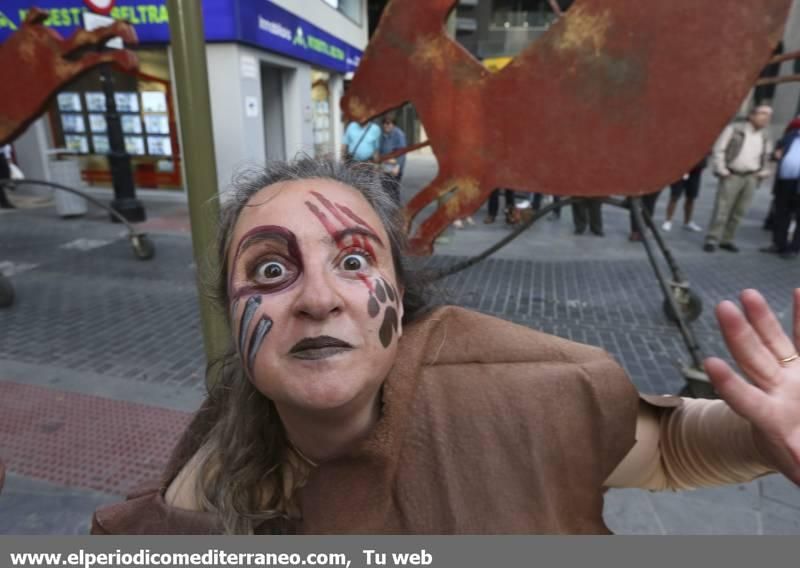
(194, 109)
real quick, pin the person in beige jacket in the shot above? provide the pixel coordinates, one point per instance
(741, 161)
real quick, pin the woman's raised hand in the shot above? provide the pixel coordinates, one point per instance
(771, 400)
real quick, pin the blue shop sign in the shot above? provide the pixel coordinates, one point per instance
(256, 22)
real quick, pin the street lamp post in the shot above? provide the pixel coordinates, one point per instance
(125, 201)
(119, 161)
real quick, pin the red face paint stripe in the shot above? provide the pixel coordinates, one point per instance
(325, 222)
(366, 282)
(346, 210)
(329, 206)
(369, 249)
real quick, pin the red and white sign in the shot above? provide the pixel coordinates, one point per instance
(100, 6)
(92, 21)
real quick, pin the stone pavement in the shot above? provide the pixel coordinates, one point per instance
(101, 358)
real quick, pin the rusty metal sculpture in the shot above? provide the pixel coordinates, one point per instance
(37, 62)
(617, 97)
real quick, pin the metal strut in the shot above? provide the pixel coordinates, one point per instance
(697, 384)
(74, 191)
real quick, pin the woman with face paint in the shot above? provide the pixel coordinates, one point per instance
(346, 405)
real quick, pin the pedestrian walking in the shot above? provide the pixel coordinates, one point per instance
(494, 206)
(649, 206)
(361, 142)
(588, 211)
(555, 214)
(538, 200)
(687, 187)
(768, 225)
(740, 158)
(392, 139)
(786, 203)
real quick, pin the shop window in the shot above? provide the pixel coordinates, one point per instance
(523, 13)
(350, 8)
(321, 110)
(78, 122)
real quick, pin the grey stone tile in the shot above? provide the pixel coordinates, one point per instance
(744, 496)
(777, 518)
(29, 507)
(778, 488)
(629, 511)
(681, 514)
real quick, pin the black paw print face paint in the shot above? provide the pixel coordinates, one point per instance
(272, 263)
(348, 230)
(385, 296)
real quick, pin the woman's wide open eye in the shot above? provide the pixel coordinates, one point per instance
(271, 271)
(354, 262)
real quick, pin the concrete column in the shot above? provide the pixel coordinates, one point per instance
(298, 115)
(238, 135)
(336, 85)
(30, 150)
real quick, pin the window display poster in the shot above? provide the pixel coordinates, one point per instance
(73, 123)
(159, 146)
(97, 123)
(69, 102)
(101, 145)
(131, 124)
(127, 102)
(74, 143)
(154, 101)
(95, 101)
(134, 145)
(156, 124)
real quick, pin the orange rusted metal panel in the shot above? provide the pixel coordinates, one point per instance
(37, 62)
(618, 97)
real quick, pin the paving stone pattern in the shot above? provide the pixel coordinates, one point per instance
(84, 441)
(102, 310)
(616, 305)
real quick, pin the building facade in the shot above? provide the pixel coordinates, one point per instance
(276, 72)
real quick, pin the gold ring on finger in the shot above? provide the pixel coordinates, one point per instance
(786, 360)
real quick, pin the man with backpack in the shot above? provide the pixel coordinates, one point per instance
(741, 158)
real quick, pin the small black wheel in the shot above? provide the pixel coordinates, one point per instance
(690, 309)
(6, 292)
(143, 247)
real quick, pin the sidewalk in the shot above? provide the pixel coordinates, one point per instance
(101, 359)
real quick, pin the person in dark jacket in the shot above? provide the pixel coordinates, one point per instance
(786, 204)
(392, 139)
(689, 187)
